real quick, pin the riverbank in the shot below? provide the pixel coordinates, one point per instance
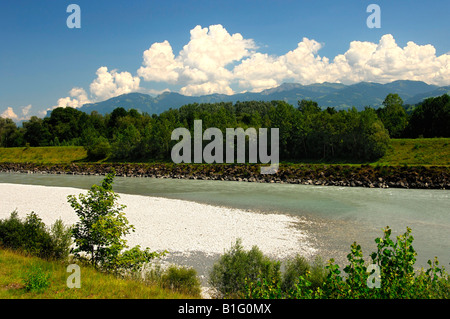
(195, 234)
(419, 177)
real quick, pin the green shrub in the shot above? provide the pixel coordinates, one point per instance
(295, 268)
(181, 279)
(238, 268)
(62, 239)
(98, 149)
(12, 231)
(178, 278)
(36, 279)
(398, 279)
(37, 240)
(99, 233)
(301, 280)
(32, 236)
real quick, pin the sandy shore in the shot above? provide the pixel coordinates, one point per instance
(175, 225)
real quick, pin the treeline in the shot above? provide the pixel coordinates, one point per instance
(305, 131)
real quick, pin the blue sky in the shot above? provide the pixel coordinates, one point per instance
(43, 63)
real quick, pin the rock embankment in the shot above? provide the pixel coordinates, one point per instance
(432, 177)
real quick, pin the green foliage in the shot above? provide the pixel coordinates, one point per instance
(98, 148)
(12, 232)
(98, 235)
(393, 115)
(176, 278)
(33, 236)
(398, 279)
(299, 268)
(431, 118)
(36, 279)
(307, 132)
(61, 236)
(125, 142)
(131, 260)
(101, 223)
(181, 279)
(238, 268)
(10, 134)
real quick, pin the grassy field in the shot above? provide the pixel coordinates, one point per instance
(422, 151)
(43, 155)
(14, 267)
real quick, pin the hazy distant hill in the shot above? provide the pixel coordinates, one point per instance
(326, 94)
(421, 96)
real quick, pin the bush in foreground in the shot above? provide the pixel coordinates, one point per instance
(99, 233)
(390, 275)
(36, 279)
(238, 267)
(34, 237)
(176, 278)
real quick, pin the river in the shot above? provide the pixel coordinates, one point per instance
(335, 217)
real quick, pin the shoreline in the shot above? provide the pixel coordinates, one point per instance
(194, 234)
(418, 177)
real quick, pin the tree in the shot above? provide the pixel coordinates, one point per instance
(100, 230)
(125, 143)
(393, 115)
(66, 124)
(431, 118)
(307, 106)
(36, 133)
(98, 148)
(10, 134)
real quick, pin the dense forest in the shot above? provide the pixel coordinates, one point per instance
(305, 131)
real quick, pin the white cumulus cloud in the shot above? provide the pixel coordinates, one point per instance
(78, 97)
(9, 114)
(159, 64)
(111, 84)
(108, 84)
(201, 66)
(214, 60)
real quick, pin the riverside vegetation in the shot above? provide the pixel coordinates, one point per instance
(99, 247)
(33, 259)
(307, 135)
(306, 132)
(393, 146)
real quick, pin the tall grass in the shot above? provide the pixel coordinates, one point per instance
(15, 273)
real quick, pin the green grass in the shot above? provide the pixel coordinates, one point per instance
(43, 155)
(421, 151)
(14, 267)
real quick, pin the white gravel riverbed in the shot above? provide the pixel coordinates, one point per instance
(168, 224)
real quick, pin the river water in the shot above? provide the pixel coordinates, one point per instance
(336, 216)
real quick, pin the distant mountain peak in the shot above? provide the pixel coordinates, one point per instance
(326, 94)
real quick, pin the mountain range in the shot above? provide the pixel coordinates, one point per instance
(326, 94)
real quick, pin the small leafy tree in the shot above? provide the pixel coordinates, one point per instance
(101, 228)
(239, 268)
(98, 148)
